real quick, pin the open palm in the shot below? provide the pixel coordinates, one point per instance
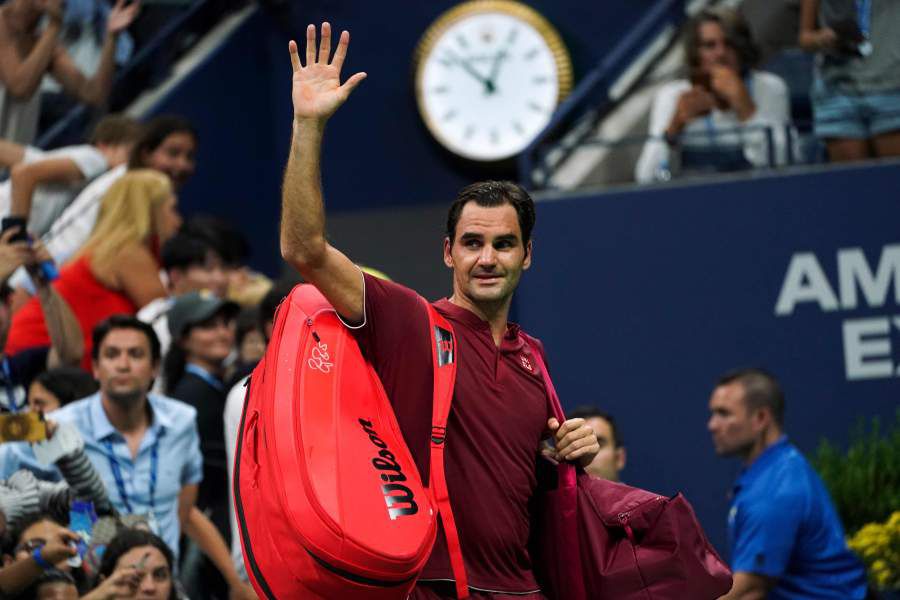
(317, 91)
(122, 16)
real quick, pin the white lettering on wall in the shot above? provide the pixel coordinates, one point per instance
(867, 348)
(805, 282)
(853, 271)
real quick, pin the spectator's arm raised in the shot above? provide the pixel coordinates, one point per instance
(21, 76)
(317, 93)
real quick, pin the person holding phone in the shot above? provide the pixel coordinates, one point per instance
(719, 118)
(856, 89)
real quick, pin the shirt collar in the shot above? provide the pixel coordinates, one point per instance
(762, 461)
(512, 341)
(159, 420)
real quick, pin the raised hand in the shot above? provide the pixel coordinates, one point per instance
(317, 91)
(122, 16)
(12, 254)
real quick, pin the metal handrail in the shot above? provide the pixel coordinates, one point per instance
(593, 90)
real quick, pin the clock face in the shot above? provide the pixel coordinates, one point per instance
(489, 77)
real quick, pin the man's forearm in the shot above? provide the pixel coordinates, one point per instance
(303, 213)
(62, 326)
(24, 82)
(96, 89)
(199, 528)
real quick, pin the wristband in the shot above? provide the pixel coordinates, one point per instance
(42, 563)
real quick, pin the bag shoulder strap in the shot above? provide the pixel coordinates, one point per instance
(443, 353)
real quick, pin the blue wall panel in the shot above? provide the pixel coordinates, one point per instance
(644, 298)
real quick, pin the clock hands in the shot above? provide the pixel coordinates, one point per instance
(488, 84)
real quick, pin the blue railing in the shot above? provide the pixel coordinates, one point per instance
(592, 94)
(127, 81)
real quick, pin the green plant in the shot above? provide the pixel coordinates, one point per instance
(864, 481)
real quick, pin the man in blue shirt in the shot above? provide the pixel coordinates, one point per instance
(785, 537)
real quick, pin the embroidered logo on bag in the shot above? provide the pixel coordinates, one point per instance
(320, 359)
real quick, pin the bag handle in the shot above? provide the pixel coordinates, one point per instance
(566, 488)
(443, 354)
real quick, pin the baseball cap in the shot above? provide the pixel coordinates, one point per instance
(196, 307)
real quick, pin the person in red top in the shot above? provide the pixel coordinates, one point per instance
(500, 409)
(117, 270)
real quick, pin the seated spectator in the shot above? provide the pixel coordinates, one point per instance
(191, 263)
(856, 90)
(63, 345)
(167, 144)
(42, 184)
(717, 119)
(53, 389)
(136, 563)
(27, 52)
(37, 544)
(117, 270)
(610, 461)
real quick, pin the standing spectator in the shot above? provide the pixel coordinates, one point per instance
(785, 536)
(145, 447)
(167, 144)
(717, 119)
(63, 345)
(610, 461)
(42, 184)
(856, 90)
(117, 270)
(27, 53)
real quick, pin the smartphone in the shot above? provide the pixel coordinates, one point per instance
(21, 223)
(22, 427)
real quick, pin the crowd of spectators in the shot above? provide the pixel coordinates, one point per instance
(729, 113)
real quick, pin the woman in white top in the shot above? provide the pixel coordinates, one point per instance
(720, 119)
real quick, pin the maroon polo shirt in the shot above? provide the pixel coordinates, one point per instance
(497, 421)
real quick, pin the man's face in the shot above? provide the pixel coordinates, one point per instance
(487, 256)
(211, 275)
(174, 157)
(734, 428)
(713, 48)
(58, 590)
(611, 458)
(125, 366)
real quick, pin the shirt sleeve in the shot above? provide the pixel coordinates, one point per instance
(193, 466)
(89, 160)
(765, 534)
(386, 323)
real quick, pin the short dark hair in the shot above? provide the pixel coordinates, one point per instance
(489, 194)
(737, 35)
(219, 234)
(587, 411)
(761, 390)
(107, 325)
(155, 132)
(115, 129)
(68, 383)
(53, 576)
(183, 251)
(14, 534)
(126, 540)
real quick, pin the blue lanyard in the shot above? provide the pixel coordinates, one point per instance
(120, 482)
(864, 15)
(206, 376)
(8, 384)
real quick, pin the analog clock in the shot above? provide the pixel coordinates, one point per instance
(489, 74)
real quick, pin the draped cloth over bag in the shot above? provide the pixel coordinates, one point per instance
(600, 540)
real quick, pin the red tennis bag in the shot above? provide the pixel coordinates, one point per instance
(328, 499)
